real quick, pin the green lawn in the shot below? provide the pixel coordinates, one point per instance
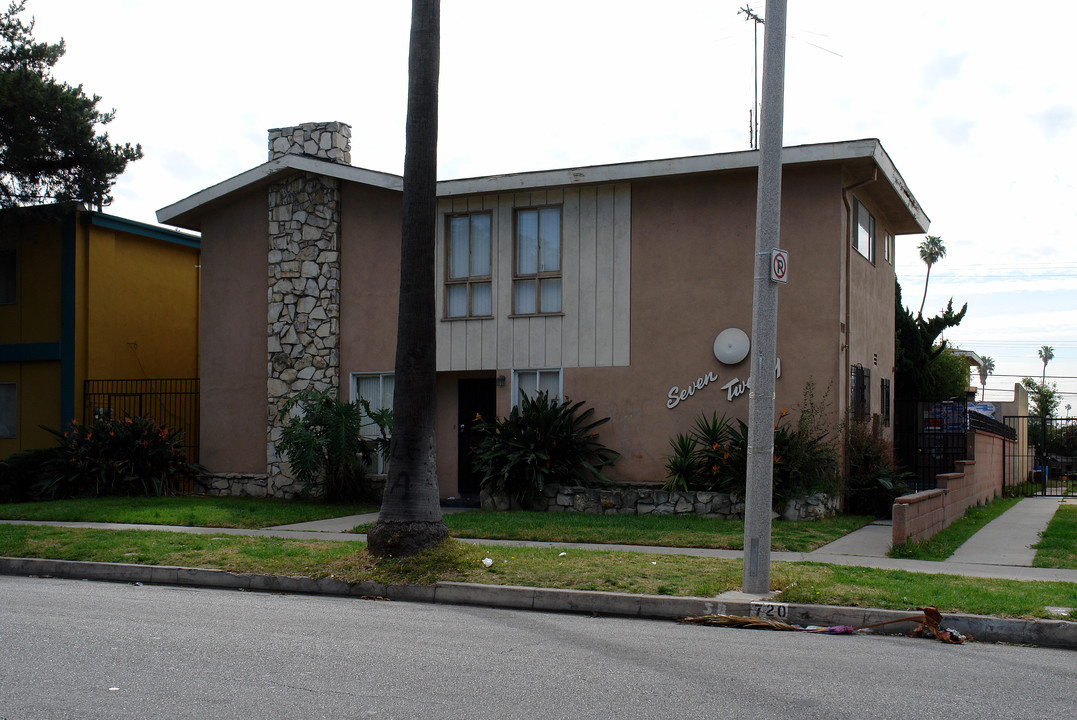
(225, 512)
(660, 530)
(1058, 546)
(541, 567)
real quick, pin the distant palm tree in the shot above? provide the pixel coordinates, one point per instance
(931, 251)
(987, 367)
(1047, 354)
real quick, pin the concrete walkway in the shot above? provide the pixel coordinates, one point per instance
(1008, 539)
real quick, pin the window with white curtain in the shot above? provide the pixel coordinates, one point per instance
(468, 291)
(864, 239)
(537, 277)
(377, 389)
(533, 382)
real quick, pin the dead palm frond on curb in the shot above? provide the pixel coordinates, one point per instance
(928, 625)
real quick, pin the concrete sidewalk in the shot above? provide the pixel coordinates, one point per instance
(1004, 540)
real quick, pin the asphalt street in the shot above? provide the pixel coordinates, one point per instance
(82, 649)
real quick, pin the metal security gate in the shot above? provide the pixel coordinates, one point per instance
(1043, 460)
(171, 403)
(929, 438)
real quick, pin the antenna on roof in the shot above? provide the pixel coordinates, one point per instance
(753, 114)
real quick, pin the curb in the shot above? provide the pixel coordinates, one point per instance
(982, 628)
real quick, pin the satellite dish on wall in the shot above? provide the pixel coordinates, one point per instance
(731, 346)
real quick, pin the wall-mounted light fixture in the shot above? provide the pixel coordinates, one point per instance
(501, 381)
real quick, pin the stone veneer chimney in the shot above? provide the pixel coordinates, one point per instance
(304, 280)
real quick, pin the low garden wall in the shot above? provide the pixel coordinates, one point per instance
(247, 485)
(645, 501)
(978, 481)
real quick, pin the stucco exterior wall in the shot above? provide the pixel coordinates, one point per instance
(233, 332)
(370, 281)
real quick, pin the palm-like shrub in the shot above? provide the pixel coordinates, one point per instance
(701, 459)
(132, 456)
(541, 441)
(323, 446)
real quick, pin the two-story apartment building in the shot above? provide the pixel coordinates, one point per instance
(627, 286)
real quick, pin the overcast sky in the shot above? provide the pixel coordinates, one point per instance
(976, 104)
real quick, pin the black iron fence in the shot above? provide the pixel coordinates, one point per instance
(171, 403)
(931, 436)
(1043, 461)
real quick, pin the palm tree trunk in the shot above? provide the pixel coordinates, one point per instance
(926, 279)
(410, 519)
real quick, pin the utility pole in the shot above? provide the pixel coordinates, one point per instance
(753, 115)
(760, 491)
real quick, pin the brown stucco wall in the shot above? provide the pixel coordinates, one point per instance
(370, 280)
(692, 249)
(233, 331)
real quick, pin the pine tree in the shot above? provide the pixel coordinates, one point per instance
(49, 146)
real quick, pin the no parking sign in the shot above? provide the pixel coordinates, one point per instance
(779, 266)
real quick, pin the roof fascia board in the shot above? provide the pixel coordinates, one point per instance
(133, 227)
(265, 172)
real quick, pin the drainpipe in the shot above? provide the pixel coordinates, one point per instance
(848, 268)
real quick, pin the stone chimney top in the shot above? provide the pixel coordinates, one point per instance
(326, 141)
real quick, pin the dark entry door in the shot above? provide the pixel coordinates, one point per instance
(476, 399)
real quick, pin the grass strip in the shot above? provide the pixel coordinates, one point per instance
(225, 512)
(541, 567)
(943, 544)
(1057, 547)
(657, 530)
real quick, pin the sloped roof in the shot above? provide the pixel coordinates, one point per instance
(897, 201)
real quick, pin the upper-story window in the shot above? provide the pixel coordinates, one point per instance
(467, 283)
(8, 274)
(888, 247)
(864, 239)
(537, 280)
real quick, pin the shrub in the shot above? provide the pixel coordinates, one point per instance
(132, 456)
(20, 472)
(872, 480)
(541, 441)
(701, 459)
(322, 443)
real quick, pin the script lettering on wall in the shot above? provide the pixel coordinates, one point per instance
(730, 348)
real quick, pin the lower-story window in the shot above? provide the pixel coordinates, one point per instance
(884, 401)
(860, 392)
(8, 410)
(534, 382)
(377, 389)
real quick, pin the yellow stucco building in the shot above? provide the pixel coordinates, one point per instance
(88, 297)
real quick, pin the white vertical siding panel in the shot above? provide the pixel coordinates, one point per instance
(570, 279)
(538, 197)
(490, 328)
(458, 333)
(604, 278)
(553, 341)
(473, 338)
(502, 229)
(536, 355)
(622, 274)
(521, 343)
(459, 205)
(474, 203)
(587, 269)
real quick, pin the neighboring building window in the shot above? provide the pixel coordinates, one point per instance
(884, 401)
(860, 393)
(537, 280)
(8, 407)
(467, 284)
(376, 389)
(533, 382)
(7, 277)
(864, 239)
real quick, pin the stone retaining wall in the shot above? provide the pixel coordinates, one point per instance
(648, 501)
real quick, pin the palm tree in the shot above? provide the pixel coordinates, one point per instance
(410, 519)
(1047, 354)
(987, 367)
(931, 251)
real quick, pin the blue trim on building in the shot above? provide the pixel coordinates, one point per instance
(143, 229)
(29, 352)
(67, 321)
